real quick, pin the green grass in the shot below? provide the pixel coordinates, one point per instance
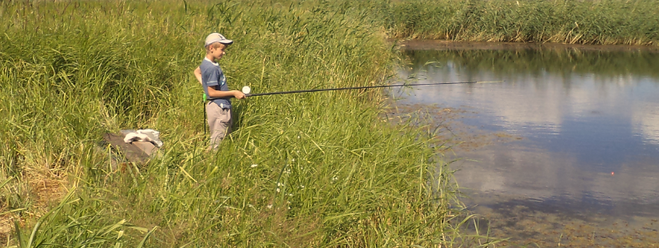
(299, 170)
(322, 169)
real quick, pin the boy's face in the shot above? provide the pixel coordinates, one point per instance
(217, 51)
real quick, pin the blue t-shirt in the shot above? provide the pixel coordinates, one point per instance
(212, 76)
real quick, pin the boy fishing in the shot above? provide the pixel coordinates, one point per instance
(211, 77)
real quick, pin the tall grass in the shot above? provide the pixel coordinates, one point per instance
(634, 22)
(299, 170)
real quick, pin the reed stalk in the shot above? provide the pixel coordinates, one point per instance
(298, 170)
(607, 22)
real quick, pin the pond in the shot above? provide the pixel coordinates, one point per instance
(561, 149)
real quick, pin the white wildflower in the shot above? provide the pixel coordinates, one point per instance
(269, 206)
(254, 165)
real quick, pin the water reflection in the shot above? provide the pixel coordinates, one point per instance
(646, 122)
(589, 122)
(534, 173)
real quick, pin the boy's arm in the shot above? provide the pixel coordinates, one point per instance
(197, 74)
(212, 92)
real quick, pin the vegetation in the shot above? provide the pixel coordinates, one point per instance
(298, 170)
(634, 22)
(320, 169)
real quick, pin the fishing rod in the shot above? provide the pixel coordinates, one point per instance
(246, 90)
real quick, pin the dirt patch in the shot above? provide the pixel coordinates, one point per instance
(5, 230)
(31, 197)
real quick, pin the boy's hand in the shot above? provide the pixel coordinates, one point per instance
(238, 95)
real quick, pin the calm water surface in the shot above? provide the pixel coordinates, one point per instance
(564, 151)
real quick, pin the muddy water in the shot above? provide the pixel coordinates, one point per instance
(564, 151)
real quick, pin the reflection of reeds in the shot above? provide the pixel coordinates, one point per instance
(506, 61)
(328, 171)
(564, 21)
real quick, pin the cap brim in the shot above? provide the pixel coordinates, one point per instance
(225, 42)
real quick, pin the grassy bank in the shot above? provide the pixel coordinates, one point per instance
(634, 22)
(298, 170)
(319, 169)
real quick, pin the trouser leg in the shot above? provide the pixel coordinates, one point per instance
(219, 123)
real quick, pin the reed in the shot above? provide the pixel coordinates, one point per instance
(299, 170)
(320, 169)
(634, 22)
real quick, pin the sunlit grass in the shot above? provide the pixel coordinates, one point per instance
(299, 170)
(632, 22)
(320, 169)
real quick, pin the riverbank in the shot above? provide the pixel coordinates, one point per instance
(298, 170)
(479, 45)
(561, 21)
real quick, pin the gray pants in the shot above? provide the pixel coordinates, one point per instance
(219, 123)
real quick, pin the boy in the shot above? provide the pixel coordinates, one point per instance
(210, 76)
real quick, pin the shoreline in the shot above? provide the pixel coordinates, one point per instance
(481, 45)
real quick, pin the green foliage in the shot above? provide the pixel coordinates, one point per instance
(633, 22)
(77, 224)
(298, 170)
(319, 169)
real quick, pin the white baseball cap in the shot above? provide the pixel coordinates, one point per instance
(216, 37)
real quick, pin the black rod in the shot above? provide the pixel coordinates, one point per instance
(365, 87)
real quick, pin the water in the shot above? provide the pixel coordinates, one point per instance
(564, 151)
